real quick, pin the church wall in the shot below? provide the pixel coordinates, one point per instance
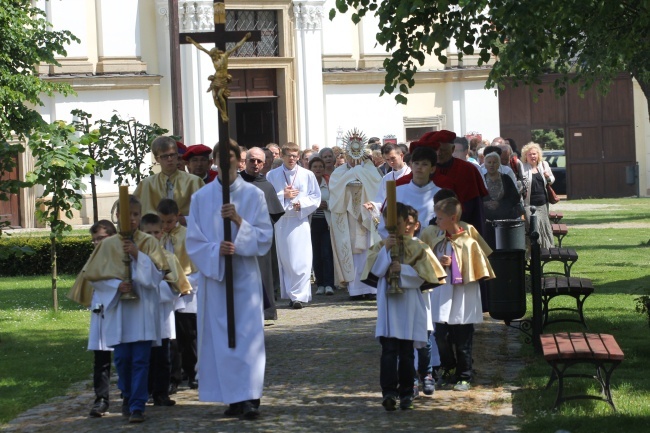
(642, 138)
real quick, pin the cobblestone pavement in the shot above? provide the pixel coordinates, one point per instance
(322, 375)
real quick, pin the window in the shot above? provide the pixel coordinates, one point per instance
(265, 21)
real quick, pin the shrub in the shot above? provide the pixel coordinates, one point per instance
(72, 251)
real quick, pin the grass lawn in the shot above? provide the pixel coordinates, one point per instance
(619, 265)
(41, 353)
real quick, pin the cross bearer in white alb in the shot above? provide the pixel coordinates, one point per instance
(230, 375)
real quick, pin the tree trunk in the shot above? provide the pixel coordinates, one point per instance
(93, 191)
(55, 297)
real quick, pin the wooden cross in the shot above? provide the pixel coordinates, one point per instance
(219, 37)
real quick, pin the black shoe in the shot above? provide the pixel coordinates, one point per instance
(136, 417)
(193, 384)
(126, 409)
(249, 411)
(173, 388)
(234, 410)
(163, 400)
(297, 305)
(389, 403)
(406, 403)
(290, 304)
(99, 408)
(370, 297)
(428, 384)
(356, 298)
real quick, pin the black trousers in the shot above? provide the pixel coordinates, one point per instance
(160, 368)
(461, 337)
(396, 371)
(184, 348)
(102, 374)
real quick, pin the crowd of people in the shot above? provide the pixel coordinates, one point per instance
(316, 217)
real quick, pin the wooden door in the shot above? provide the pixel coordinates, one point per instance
(599, 132)
(10, 209)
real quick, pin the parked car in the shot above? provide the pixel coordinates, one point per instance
(557, 161)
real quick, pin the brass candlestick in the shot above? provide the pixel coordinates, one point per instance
(126, 233)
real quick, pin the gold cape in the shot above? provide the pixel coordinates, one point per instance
(106, 263)
(177, 237)
(418, 255)
(176, 277)
(152, 189)
(471, 258)
(433, 231)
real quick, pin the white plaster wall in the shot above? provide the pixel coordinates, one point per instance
(642, 138)
(470, 107)
(59, 14)
(339, 35)
(118, 28)
(359, 106)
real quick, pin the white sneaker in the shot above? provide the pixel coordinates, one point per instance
(329, 290)
(321, 290)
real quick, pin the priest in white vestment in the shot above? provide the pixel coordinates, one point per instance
(299, 192)
(230, 375)
(353, 228)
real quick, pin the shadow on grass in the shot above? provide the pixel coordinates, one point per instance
(610, 218)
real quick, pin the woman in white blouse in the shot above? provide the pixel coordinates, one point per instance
(536, 175)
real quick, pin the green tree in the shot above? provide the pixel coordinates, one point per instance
(586, 42)
(26, 40)
(59, 167)
(132, 141)
(101, 151)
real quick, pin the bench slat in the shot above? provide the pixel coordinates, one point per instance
(566, 346)
(580, 346)
(604, 346)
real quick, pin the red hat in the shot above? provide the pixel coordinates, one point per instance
(196, 150)
(433, 139)
(181, 148)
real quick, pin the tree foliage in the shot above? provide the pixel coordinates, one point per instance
(26, 40)
(59, 167)
(132, 141)
(586, 42)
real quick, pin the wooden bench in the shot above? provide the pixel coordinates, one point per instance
(578, 288)
(565, 350)
(560, 231)
(567, 256)
(555, 217)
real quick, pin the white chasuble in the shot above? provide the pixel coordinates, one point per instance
(229, 375)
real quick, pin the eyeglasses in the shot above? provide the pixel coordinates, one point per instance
(168, 156)
(255, 161)
(289, 155)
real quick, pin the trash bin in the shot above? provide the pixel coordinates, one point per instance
(510, 234)
(507, 292)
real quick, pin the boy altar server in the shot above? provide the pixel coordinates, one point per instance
(299, 193)
(131, 326)
(402, 319)
(230, 375)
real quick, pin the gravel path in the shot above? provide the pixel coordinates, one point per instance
(322, 375)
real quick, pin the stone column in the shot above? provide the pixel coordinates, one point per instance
(308, 15)
(118, 37)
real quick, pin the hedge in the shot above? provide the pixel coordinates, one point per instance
(72, 253)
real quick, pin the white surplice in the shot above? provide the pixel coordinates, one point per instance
(167, 320)
(402, 315)
(128, 321)
(229, 375)
(381, 193)
(292, 230)
(420, 198)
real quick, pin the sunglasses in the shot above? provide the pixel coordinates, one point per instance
(255, 161)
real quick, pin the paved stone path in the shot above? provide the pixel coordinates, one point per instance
(322, 375)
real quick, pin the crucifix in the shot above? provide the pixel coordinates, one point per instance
(219, 83)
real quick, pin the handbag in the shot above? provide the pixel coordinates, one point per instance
(550, 194)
